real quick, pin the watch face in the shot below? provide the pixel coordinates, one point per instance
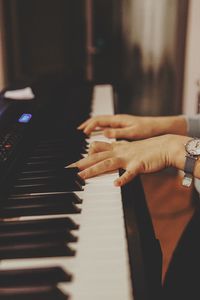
(193, 147)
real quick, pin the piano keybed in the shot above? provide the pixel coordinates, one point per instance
(61, 237)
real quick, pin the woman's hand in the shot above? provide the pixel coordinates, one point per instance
(134, 127)
(136, 157)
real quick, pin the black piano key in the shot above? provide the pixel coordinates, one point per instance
(31, 167)
(57, 198)
(47, 156)
(45, 151)
(34, 178)
(59, 148)
(48, 224)
(38, 209)
(33, 277)
(44, 172)
(22, 200)
(64, 175)
(60, 232)
(54, 162)
(36, 236)
(41, 172)
(35, 250)
(51, 144)
(32, 293)
(46, 188)
(56, 155)
(47, 177)
(48, 165)
(71, 159)
(74, 172)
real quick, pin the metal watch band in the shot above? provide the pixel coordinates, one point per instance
(189, 164)
(189, 169)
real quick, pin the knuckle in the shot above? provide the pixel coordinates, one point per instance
(143, 166)
(97, 156)
(122, 180)
(78, 165)
(85, 174)
(93, 145)
(109, 133)
(108, 163)
(93, 123)
(128, 174)
(118, 161)
(89, 172)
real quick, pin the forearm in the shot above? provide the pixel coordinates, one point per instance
(172, 124)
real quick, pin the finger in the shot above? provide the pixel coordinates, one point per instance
(102, 121)
(101, 167)
(91, 160)
(99, 147)
(82, 125)
(119, 133)
(126, 177)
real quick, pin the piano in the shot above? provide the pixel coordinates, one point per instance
(62, 237)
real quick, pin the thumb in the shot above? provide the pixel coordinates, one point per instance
(125, 177)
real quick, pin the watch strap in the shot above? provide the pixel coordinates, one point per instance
(189, 169)
(189, 164)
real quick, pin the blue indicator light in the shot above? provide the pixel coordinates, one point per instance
(24, 118)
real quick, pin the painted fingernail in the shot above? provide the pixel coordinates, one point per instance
(71, 166)
(117, 182)
(81, 174)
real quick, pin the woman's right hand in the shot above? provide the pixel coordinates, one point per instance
(135, 127)
(136, 157)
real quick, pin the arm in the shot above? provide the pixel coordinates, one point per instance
(135, 127)
(193, 124)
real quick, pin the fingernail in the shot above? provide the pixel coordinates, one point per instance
(86, 133)
(117, 182)
(71, 166)
(82, 174)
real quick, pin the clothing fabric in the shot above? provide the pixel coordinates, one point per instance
(193, 125)
(182, 277)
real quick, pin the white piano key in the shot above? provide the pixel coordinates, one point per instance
(102, 100)
(102, 240)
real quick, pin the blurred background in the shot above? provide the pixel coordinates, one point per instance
(148, 48)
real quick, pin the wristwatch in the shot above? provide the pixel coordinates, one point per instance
(192, 148)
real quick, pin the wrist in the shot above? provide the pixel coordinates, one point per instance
(173, 125)
(177, 153)
(176, 150)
